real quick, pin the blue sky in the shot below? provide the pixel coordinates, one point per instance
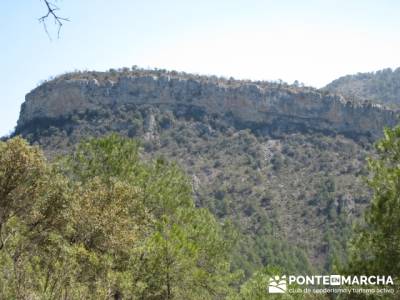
(311, 41)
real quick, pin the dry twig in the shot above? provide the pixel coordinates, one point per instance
(52, 12)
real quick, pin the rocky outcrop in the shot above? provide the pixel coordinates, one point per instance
(258, 105)
(295, 186)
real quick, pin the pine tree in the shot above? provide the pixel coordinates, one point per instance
(375, 248)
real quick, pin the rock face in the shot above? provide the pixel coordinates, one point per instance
(264, 155)
(262, 106)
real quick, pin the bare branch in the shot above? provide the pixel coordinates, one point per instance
(52, 12)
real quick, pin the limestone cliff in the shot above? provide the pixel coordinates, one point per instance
(262, 154)
(261, 105)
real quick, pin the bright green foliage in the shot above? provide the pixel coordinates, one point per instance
(377, 246)
(185, 258)
(376, 243)
(101, 224)
(107, 158)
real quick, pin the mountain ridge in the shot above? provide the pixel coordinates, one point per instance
(263, 104)
(382, 87)
(284, 163)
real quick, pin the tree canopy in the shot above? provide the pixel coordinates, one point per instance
(101, 223)
(375, 247)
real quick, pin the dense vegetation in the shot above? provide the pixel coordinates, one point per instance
(248, 202)
(100, 223)
(378, 87)
(292, 196)
(375, 246)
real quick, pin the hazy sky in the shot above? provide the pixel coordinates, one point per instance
(311, 41)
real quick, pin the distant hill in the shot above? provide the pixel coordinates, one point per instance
(379, 87)
(284, 163)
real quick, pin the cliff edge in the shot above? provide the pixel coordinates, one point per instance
(264, 106)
